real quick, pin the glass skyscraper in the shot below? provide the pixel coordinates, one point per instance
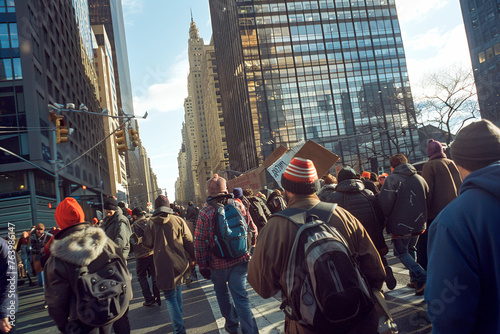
(333, 71)
(482, 25)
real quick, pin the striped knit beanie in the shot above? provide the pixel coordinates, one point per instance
(300, 177)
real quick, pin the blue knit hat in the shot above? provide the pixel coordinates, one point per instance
(238, 192)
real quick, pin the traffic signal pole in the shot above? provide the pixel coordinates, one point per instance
(56, 172)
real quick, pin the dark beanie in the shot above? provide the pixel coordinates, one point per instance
(434, 147)
(162, 201)
(346, 173)
(137, 211)
(300, 177)
(110, 204)
(477, 145)
(238, 192)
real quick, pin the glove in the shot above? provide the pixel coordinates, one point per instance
(206, 273)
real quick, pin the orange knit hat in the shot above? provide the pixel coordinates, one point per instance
(69, 213)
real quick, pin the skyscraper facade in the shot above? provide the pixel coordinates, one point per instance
(42, 63)
(333, 71)
(482, 25)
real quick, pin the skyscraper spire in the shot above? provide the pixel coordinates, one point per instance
(193, 30)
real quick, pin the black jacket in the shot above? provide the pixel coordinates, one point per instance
(361, 203)
(191, 213)
(404, 199)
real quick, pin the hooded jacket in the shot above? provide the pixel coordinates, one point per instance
(403, 199)
(362, 204)
(463, 275)
(268, 267)
(172, 243)
(443, 178)
(138, 227)
(73, 247)
(117, 228)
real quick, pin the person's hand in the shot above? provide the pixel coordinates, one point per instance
(206, 273)
(5, 325)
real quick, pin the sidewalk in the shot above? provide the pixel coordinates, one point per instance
(200, 310)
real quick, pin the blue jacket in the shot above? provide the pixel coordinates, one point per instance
(463, 276)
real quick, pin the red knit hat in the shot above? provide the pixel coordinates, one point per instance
(69, 213)
(366, 175)
(300, 177)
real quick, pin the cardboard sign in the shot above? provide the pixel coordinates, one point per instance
(278, 167)
(250, 180)
(277, 153)
(322, 158)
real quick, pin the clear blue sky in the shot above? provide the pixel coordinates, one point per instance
(157, 35)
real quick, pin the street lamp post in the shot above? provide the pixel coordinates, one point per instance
(56, 172)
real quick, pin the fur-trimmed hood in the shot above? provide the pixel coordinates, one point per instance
(79, 245)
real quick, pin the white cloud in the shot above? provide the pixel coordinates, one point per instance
(410, 10)
(162, 90)
(131, 7)
(448, 48)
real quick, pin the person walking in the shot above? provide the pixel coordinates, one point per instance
(443, 178)
(76, 245)
(144, 259)
(270, 259)
(117, 228)
(352, 195)
(404, 199)
(168, 235)
(38, 241)
(224, 273)
(463, 277)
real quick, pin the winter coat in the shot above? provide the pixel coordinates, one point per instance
(275, 203)
(463, 273)
(326, 191)
(362, 204)
(370, 185)
(191, 213)
(138, 227)
(172, 243)
(117, 228)
(268, 267)
(403, 200)
(73, 247)
(444, 182)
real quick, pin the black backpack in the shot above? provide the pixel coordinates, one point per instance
(325, 288)
(258, 211)
(103, 290)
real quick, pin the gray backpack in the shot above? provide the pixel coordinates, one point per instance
(325, 288)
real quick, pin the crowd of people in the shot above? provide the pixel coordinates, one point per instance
(441, 222)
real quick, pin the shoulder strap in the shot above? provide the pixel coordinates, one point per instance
(323, 210)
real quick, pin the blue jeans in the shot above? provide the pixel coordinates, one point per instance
(40, 279)
(234, 278)
(174, 307)
(404, 250)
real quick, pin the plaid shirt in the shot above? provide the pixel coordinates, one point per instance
(204, 239)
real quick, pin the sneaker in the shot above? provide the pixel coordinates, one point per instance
(149, 302)
(412, 285)
(390, 280)
(420, 290)
(45, 306)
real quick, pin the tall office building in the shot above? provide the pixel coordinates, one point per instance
(333, 71)
(42, 63)
(482, 25)
(110, 14)
(203, 134)
(103, 62)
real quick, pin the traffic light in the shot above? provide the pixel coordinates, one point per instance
(62, 132)
(121, 141)
(134, 137)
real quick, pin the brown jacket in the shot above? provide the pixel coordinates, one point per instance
(270, 259)
(172, 242)
(444, 182)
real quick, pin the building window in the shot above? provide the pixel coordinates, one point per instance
(489, 53)
(482, 58)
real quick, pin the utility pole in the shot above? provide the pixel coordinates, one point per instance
(54, 161)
